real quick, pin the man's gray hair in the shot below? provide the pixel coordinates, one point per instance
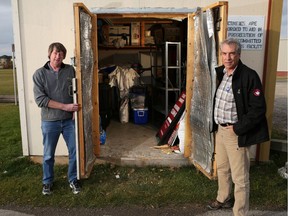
(230, 41)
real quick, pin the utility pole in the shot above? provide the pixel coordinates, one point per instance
(14, 75)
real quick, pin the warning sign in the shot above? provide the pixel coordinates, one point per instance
(248, 30)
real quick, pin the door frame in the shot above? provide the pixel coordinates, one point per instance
(221, 35)
(85, 163)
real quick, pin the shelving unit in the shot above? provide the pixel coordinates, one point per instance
(136, 26)
(166, 76)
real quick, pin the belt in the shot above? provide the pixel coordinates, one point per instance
(226, 124)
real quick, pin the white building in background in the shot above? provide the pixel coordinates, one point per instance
(282, 65)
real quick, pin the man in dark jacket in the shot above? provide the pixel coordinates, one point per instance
(240, 121)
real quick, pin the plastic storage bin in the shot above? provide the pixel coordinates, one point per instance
(140, 115)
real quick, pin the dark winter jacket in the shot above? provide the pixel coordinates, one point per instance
(252, 127)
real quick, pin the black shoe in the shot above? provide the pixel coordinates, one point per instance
(228, 204)
(218, 205)
(75, 186)
(46, 190)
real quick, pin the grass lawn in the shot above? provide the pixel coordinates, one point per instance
(20, 180)
(6, 82)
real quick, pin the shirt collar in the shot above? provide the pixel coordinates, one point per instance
(49, 66)
(225, 72)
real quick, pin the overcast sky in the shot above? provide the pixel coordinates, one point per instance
(6, 29)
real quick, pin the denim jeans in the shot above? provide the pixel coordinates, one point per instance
(51, 131)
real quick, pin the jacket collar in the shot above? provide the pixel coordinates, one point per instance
(238, 69)
(47, 66)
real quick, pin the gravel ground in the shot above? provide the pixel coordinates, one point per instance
(187, 210)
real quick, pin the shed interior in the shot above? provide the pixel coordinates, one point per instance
(145, 83)
(139, 44)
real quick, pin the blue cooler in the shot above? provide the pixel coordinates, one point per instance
(140, 115)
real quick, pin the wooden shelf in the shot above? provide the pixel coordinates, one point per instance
(126, 47)
(127, 21)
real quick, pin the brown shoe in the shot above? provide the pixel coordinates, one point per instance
(218, 205)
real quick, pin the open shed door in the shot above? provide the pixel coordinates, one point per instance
(206, 29)
(196, 147)
(87, 89)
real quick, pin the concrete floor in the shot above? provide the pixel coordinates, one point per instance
(134, 144)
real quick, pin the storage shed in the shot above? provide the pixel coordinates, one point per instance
(100, 39)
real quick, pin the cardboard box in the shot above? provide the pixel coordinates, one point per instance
(112, 38)
(113, 30)
(149, 40)
(119, 30)
(135, 33)
(124, 30)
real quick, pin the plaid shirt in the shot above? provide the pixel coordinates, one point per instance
(225, 107)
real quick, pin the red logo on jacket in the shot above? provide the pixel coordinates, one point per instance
(257, 92)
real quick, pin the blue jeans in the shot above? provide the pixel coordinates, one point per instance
(51, 131)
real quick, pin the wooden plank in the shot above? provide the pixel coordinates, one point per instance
(142, 33)
(146, 21)
(95, 100)
(79, 90)
(95, 91)
(221, 35)
(216, 5)
(144, 15)
(209, 175)
(189, 85)
(82, 6)
(270, 68)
